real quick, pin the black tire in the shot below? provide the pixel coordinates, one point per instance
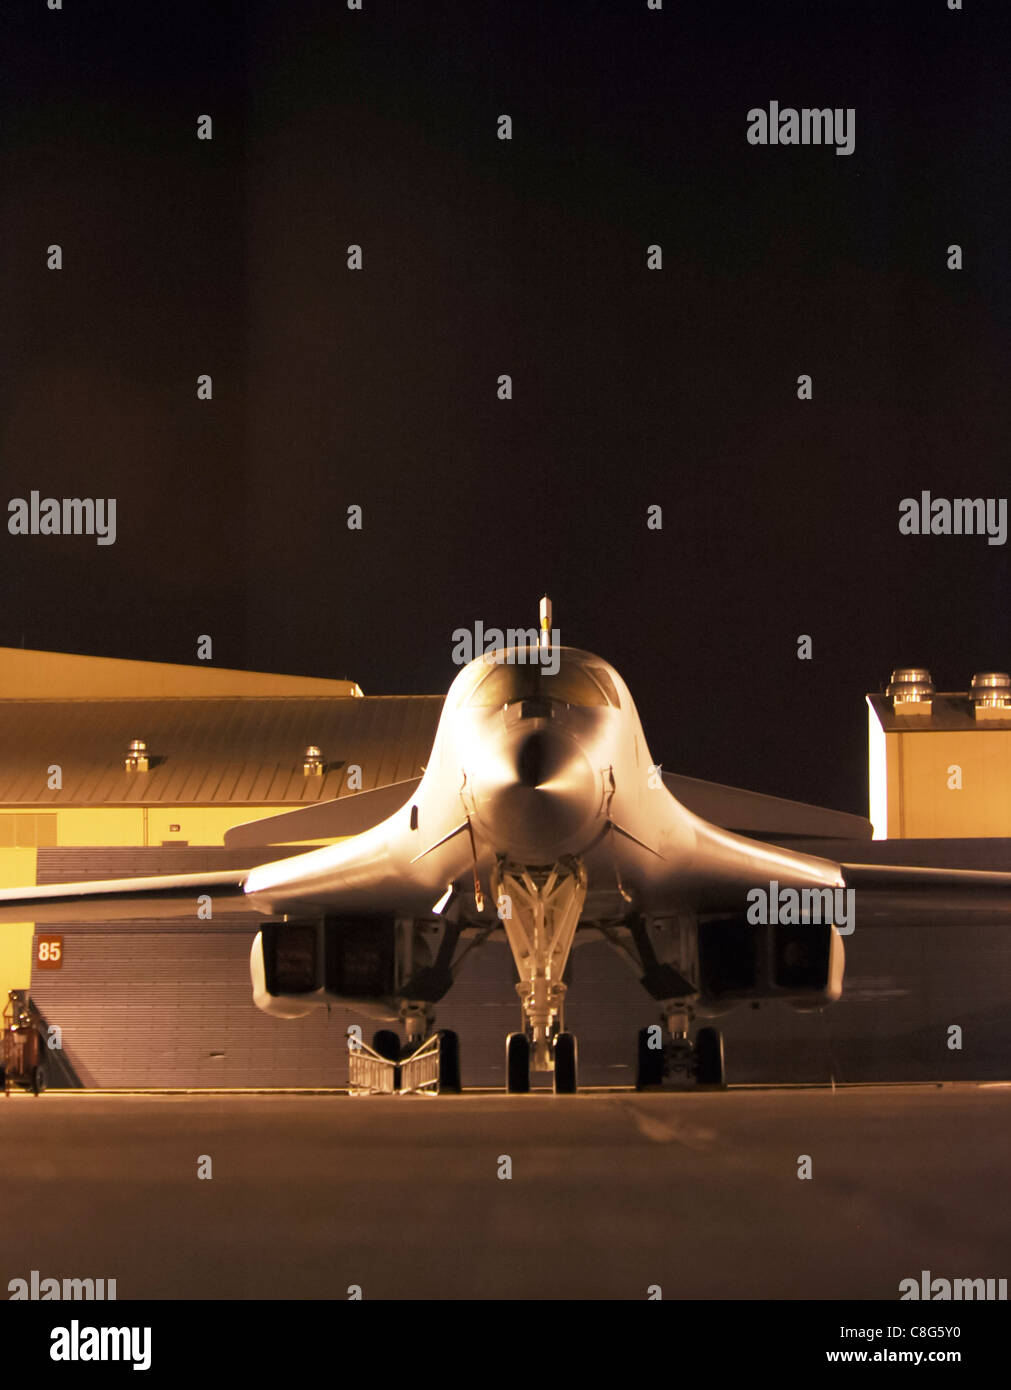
(517, 1064)
(38, 1079)
(648, 1062)
(387, 1044)
(709, 1063)
(449, 1062)
(566, 1064)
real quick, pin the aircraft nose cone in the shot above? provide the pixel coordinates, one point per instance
(539, 758)
(539, 797)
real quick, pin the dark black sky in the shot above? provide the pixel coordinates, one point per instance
(526, 257)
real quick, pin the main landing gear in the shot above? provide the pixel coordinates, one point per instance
(539, 909)
(679, 1063)
(445, 1059)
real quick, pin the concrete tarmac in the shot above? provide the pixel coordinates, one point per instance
(610, 1192)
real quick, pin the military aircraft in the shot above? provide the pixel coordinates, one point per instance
(541, 820)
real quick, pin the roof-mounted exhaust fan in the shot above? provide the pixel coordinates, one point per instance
(911, 690)
(313, 764)
(137, 759)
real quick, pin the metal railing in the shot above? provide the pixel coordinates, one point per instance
(369, 1072)
(420, 1071)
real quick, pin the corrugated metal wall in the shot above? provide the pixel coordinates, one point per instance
(143, 1005)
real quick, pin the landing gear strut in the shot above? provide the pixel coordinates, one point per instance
(418, 1021)
(679, 1063)
(540, 909)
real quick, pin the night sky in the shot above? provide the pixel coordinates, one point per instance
(528, 257)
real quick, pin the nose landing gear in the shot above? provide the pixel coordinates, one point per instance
(565, 1068)
(540, 909)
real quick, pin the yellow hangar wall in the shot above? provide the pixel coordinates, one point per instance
(31, 675)
(111, 826)
(942, 770)
(949, 785)
(108, 827)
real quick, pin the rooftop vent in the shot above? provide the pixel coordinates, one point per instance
(312, 762)
(991, 695)
(911, 689)
(137, 756)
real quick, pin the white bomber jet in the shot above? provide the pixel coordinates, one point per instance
(541, 818)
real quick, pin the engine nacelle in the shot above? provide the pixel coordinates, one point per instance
(278, 1006)
(801, 965)
(368, 962)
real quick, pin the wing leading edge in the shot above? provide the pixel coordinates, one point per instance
(127, 899)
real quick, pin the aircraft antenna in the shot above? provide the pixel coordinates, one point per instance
(545, 622)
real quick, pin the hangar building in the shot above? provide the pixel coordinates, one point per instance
(113, 768)
(940, 764)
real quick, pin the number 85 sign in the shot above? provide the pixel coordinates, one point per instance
(49, 952)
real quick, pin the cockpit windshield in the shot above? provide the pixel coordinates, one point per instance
(574, 683)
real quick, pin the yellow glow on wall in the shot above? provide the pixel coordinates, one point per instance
(17, 866)
(925, 767)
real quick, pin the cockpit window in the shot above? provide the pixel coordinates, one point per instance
(572, 684)
(603, 678)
